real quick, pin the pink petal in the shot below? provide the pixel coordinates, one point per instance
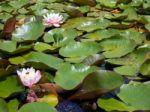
(56, 25)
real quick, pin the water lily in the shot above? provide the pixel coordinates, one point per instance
(52, 19)
(29, 76)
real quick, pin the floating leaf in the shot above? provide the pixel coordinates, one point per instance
(60, 36)
(113, 105)
(75, 22)
(8, 46)
(114, 48)
(29, 31)
(3, 106)
(136, 95)
(41, 47)
(107, 3)
(78, 49)
(98, 83)
(102, 79)
(73, 11)
(92, 25)
(10, 86)
(13, 105)
(101, 34)
(144, 70)
(85, 2)
(74, 75)
(37, 107)
(49, 60)
(131, 63)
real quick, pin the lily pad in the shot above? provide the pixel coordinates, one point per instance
(102, 79)
(74, 75)
(41, 47)
(37, 107)
(10, 86)
(144, 70)
(131, 63)
(3, 106)
(60, 36)
(28, 32)
(107, 3)
(101, 34)
(80, 49)
(114, 48)
(8, 46)
(136, 94)
(92, 25)
(114, 105)
(49, 60)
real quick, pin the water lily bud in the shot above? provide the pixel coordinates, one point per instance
(29, 76)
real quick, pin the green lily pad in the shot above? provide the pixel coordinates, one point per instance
(10, 86)
(75, 22)
(8, 46)
(101, 34)
(60, 36)
(136, 95)
(49, 60)
(19, 3)
(74, 75)
(37, 107)
(13, 105)
(28, 32)
(92, 25)
(3, 106)
(78, 49)
(102, 79)
(114, 48)
(112, 104)
(107, 3)
(41, 47)
(144, 70)
(131, 63)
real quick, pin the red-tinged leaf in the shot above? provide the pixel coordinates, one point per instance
(48, 87)
(86, 95)
(85, 2)
(73, 12)
(9, 27)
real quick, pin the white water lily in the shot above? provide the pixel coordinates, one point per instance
(29, 76)
(52, 19)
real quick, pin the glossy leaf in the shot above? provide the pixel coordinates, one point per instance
(114, 105)
(49, 60)
(78, 49)
(60, 36)
(92, 25)
(28, 32)
(37, 107)
(136, 94)
(131, 63)
(74, 75)
(114, 48)
(10, 86)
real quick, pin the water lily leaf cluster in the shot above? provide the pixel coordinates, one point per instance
(86, 51)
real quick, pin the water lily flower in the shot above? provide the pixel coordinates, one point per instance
(52, 19)
(29, 76)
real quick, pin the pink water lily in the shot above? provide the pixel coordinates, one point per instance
(29, 76)
(52, 19)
